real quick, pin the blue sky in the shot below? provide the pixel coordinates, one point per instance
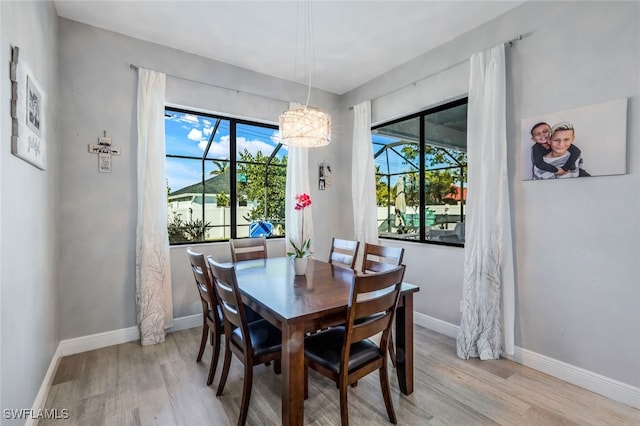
(188, 135)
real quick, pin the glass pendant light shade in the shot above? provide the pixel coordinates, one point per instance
(306, 127)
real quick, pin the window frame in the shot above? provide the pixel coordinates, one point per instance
(233, 162)
(422, 237)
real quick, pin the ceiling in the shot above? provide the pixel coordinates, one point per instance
(352, 43)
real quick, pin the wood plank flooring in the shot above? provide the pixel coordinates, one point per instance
(163, 385)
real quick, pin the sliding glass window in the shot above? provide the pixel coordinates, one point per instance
(225, 178)
(421, 175)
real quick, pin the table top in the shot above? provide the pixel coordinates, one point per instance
(323, 290)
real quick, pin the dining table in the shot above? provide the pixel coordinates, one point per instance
(298, 304)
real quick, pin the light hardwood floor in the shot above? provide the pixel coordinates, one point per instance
(163, 385)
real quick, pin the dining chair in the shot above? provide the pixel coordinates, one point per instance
(377, 258)
(212, 324)
(252, 343)
(347, 353)
(248, 248)
(344, 252)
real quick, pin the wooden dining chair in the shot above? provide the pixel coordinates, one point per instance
(252, 343)
(212, 324)
(347, 353)
(343, 252)
(248, 248)
(377, 258)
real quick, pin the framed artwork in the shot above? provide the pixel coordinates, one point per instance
(324, 176)
(580, 142)
(28, 106)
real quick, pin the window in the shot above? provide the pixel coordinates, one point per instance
(225, 178)
(421, 175)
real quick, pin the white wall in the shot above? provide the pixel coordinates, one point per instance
(28, 196)
(578, 298)
(98, 210)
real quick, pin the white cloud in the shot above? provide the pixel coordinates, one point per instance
(190, 118)
(253, 146)
(195, 135)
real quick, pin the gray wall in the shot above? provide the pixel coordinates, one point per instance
(29, 316)
(98, 211)
(577, 242)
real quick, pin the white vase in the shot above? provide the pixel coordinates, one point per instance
(300, 265)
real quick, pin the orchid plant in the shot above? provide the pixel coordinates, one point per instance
(302, 201)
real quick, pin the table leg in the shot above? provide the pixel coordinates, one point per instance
(404, 344)
(292, 374)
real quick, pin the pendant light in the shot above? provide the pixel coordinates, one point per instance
(306, 126)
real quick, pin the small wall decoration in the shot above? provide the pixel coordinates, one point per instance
(580, 142)
(324, 176)
(28, 103)
(105, 152)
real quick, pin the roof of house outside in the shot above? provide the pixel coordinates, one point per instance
(213, 185)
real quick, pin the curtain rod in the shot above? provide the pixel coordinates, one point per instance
(413, 83)
(136, 67)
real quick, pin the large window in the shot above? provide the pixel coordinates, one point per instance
(225, 178)
(421, 175)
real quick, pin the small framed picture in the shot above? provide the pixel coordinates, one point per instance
(324, 176)
(28, 105)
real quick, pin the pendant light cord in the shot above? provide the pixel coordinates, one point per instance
(308, 48)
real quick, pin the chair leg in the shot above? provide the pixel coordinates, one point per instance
(344, 407)
(277, 366)
(214, 358)
(225, 368)
(386, 394)
(392, 350)
(246, 393)
(203, 341)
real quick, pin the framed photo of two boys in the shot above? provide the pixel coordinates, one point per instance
(580, 142)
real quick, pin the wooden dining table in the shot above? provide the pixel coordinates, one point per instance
(297, 304)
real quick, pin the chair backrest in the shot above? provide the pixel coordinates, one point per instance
(372, 304)
(229, 297)
(378, 258)
(344, 252)
(248, 248)
(203, 279)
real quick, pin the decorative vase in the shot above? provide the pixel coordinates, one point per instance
(300, 265)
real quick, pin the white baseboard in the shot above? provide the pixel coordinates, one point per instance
(43, 393)
(611, 388)
(116, 337)
(439, 326)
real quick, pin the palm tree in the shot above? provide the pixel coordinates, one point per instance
(222, 167)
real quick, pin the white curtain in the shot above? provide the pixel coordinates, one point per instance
(363, 192)
(488, 294)
(297, 183)
(153, 275)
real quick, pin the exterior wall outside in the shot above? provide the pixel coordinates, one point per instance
(29, 311)
(577, 297)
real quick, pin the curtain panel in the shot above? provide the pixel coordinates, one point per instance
(153, 274)
(363, 180)
(487, 323)
(297, 183)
